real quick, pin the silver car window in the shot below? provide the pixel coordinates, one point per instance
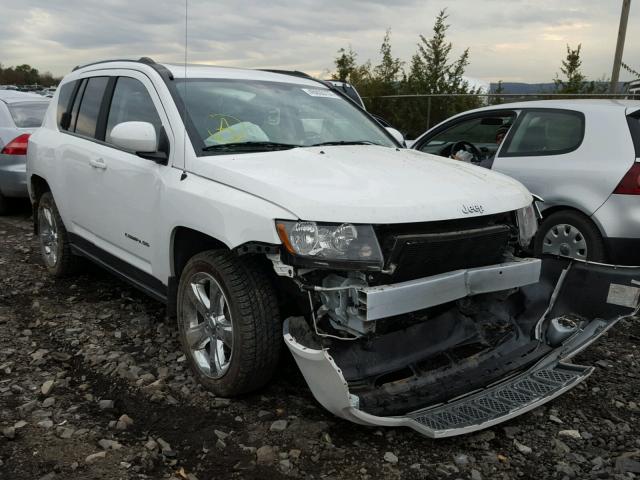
(28, 114)
(545, 132)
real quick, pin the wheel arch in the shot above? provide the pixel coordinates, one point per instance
(187, 242)
(547, 212)
(588, 218)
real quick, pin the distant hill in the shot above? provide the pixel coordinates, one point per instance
(515, 87)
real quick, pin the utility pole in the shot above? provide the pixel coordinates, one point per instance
(622, 33)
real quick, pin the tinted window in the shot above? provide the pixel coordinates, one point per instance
(28, 115)
(64, 98)
(131, 103)
(76, 105)
(90, 106)
(546, 132)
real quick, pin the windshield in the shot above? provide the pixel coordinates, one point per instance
(28, 115)
(265, 115)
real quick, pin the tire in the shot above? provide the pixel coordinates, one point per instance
(54, 239)
(242, 322)
(572, 234)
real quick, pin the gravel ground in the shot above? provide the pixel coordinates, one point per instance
(93, 386)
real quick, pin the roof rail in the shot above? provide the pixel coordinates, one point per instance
(145, 60)
(294, 73)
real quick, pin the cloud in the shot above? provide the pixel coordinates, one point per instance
(517, 39)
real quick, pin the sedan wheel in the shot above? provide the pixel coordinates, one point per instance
(565, 240)
(569, 233)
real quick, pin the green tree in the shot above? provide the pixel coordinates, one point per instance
(432, 71)
(388, 71)
(572, 69)
(29, 74)
(345, 64)
(26, 75)
(497, 100)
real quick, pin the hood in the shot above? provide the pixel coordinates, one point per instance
(367, 184)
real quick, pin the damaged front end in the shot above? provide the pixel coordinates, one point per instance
(457, 350)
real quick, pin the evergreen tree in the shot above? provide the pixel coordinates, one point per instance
(497, 100)
(571, 69)
(345, 64)
(431, 69)
(388, 71)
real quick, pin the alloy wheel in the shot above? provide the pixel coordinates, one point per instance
(48, 230)
(208, 326)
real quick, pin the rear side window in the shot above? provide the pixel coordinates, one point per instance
(90, 106)
(64, 99)
(545, 132)
(28, 114)
(131, 103)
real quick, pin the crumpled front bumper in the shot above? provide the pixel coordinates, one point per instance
(601, 294)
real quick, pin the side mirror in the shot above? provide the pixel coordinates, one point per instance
(396, 134)
(139, 137)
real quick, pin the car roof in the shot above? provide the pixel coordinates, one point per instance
(210, 71)
(571, 104)
(206, 71)
(12, 96)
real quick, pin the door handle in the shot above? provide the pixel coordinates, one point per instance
(98, 163)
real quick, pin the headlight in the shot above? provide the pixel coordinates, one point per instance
(527, 224)
(324, 242)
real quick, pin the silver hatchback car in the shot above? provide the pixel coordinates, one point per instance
(582, 157)
(20, 114)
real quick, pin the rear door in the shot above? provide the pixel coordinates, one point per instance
(77, 153)
(567, 157)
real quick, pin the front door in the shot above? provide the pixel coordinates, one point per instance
(128, 187)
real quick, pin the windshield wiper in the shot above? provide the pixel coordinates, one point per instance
(344, 142)
(248, 146)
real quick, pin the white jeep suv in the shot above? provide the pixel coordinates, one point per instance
(261, 205)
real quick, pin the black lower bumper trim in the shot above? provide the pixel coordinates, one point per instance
(623, 251)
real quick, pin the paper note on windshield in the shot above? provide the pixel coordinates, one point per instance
(320, 92)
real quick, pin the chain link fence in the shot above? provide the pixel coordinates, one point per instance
(414, 114)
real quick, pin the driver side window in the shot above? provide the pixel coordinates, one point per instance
(485, 132)
(131, 102)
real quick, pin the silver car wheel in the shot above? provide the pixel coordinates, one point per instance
(48, 230)
(566, 240)
(208, 326)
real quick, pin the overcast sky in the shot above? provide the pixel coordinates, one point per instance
(511, 40)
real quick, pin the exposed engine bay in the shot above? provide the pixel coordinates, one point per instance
(456, 333)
